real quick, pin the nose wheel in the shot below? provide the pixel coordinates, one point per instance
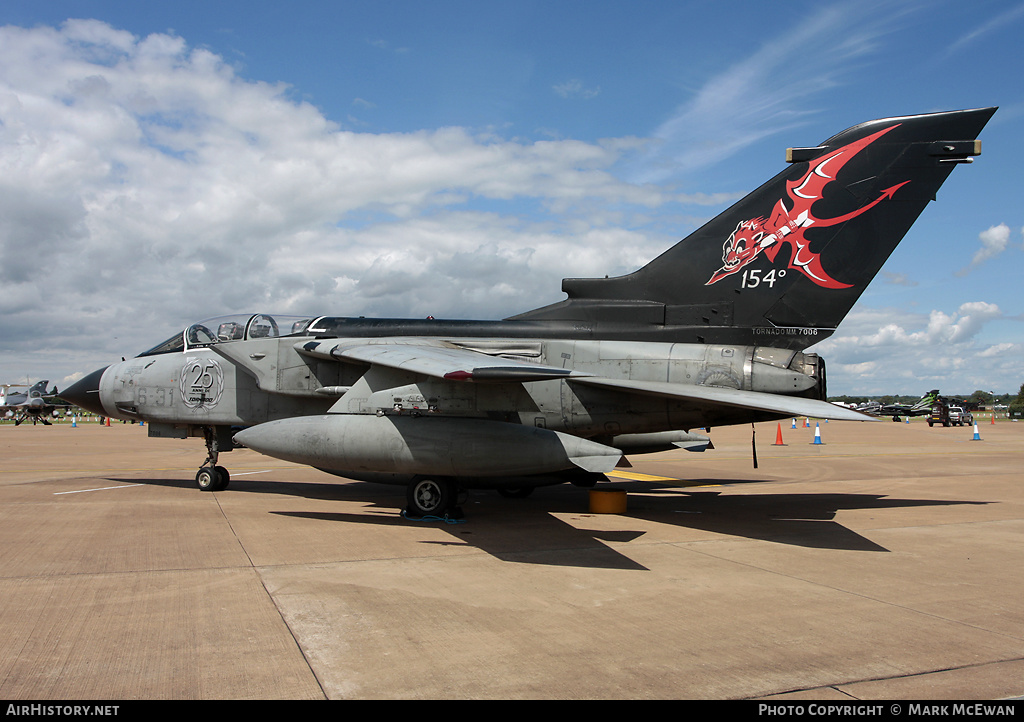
(211, 477)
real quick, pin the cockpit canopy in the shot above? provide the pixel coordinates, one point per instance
(224, 329)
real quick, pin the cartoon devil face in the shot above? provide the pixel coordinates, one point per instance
(742, 244)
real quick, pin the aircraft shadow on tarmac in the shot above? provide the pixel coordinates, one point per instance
(527, 530)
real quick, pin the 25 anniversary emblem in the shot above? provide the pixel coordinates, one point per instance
(201, 383)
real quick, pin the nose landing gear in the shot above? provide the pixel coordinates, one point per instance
(211, 477)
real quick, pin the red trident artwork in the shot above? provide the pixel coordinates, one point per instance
(787, 225)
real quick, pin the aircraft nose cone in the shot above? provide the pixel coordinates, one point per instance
(86, 392)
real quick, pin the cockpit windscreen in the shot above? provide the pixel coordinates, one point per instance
(225, 329)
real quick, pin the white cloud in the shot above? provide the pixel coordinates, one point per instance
(935, 350)
(1001, 349)
(576, 89)
(993, 242)
(144, 185)
(897, 279)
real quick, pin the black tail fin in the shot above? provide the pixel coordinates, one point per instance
(784, 265)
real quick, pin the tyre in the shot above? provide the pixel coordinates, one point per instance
(212, 478)
(431, 497)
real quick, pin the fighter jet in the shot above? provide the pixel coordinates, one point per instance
(36, 403)
(922, 407)
(712, 332)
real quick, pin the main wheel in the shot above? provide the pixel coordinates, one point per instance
(431, 497)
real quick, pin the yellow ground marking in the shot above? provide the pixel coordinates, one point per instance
(639, 477)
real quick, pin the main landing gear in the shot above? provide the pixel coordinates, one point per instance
(433, 497)
(211, 477)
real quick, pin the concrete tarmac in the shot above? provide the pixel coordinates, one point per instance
(883, 563)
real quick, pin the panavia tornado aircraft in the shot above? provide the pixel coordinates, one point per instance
(35, 404)
(922, 407)
(710, 333)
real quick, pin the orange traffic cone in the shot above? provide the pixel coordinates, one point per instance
(778, 437)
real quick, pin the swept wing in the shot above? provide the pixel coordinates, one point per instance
(435, 358)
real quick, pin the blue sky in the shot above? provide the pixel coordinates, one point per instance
(166, 163)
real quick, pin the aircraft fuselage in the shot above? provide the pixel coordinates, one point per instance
(252, 382)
